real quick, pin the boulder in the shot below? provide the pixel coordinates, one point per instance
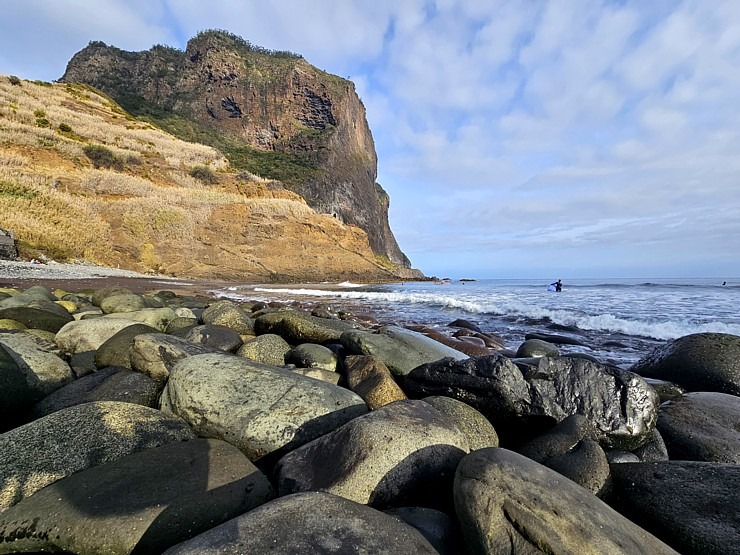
(36, 318)
(478, 431)
(465, 324)
(260, 409)
(87, 335)
(470, 346)
(370, 379)
(536, 348)
(311, 355)
(8, 325)
(439, 528)
(155, 354)
(297, 328)
(569, 448)
(702, 427)
(181, 324)
(267, 349)
(229, 314)
(402, 453)
(697, 362)
(125, 302)
(507, 503)
(693, 506)
(216, 337)
(142, 503)
(554, 339)
(620, 405)
(491, 384)
(158, 318)
(400, 349)
(115, 350)
(109, 384)
(99, 295)
(328, 524)
(62, 443)
(318, 374)
(44, 371)
(654, 449)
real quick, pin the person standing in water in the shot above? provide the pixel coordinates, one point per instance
(555, 286)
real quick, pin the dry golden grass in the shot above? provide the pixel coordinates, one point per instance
(151, 198)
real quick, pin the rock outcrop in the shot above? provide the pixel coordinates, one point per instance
(271, 113)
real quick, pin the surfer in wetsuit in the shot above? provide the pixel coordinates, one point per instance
(556, 286)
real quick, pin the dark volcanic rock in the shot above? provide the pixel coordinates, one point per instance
(698, 362)
(619, 404)
(142, 503)
(492, 384)
(328, 524)
(702, 427)
(108, 384)
(692, 506)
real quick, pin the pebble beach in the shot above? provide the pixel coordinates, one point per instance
(187, 423)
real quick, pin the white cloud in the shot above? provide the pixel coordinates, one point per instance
(507, 131)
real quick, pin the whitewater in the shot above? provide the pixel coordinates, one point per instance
(619, 320)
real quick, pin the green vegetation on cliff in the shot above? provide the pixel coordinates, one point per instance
(282, 165)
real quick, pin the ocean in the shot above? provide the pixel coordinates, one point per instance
(617, 320)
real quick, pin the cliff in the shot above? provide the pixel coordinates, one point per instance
(271, 113)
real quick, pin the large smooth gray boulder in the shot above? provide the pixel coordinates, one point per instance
(698, 362)
(259, 408)
(400, 349)
(507, 503)
(702, 427)
(62, 443)
(141, 503)
(328, 524)
(692, 506)
(399, 454)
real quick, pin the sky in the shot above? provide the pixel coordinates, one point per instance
(517, 139)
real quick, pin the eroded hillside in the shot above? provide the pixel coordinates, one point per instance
(80, 179)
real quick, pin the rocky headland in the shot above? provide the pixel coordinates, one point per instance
(224, 161)
(166, 420)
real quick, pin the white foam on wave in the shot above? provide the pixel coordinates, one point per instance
(507, 305)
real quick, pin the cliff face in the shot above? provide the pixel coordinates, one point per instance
(272, 114)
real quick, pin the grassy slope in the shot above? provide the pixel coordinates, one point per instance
(61, 205)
